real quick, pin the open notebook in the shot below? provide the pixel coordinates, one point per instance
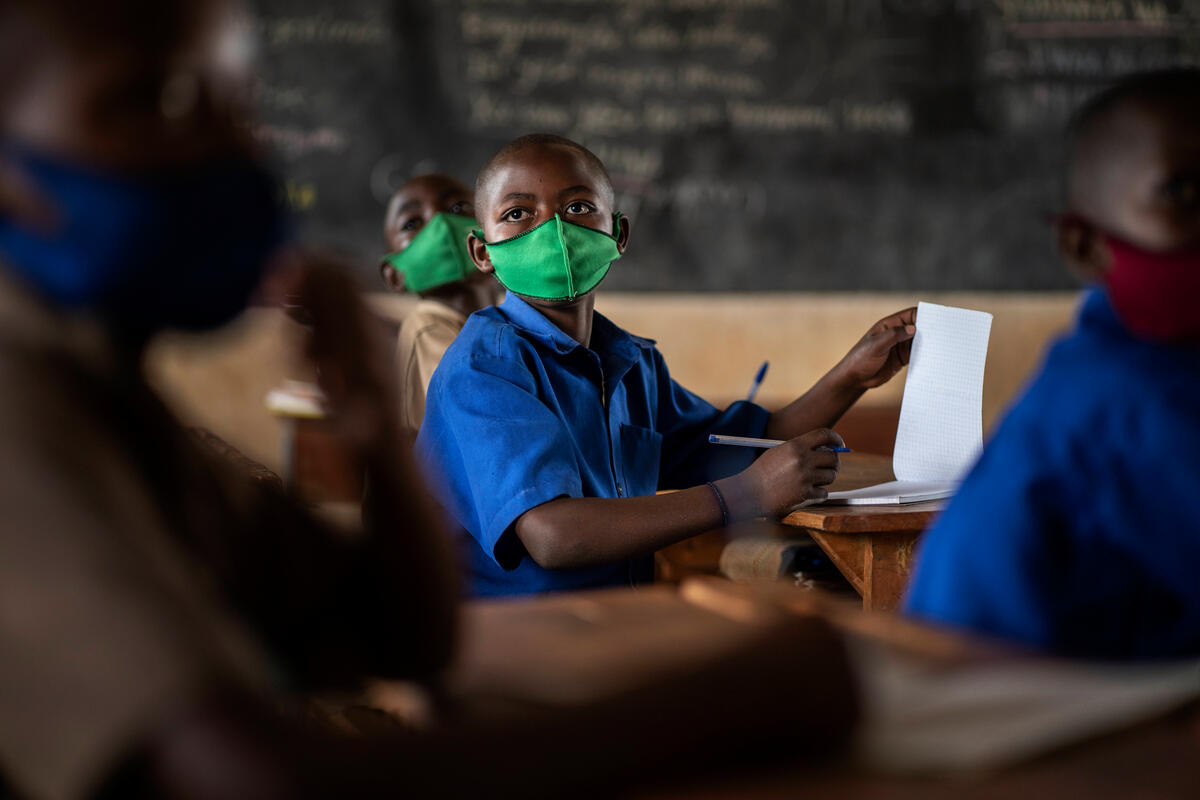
(941, 416)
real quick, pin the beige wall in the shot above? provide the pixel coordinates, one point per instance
(712, 343)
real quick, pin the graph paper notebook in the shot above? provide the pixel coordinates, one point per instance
(941, 416)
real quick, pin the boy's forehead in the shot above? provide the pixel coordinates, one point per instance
(1128, 151)
(1148, 133)
(541, 168)
(427, 189)
(434, 185)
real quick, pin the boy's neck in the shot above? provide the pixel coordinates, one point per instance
(573, 318)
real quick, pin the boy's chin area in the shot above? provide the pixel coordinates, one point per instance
(587, 298)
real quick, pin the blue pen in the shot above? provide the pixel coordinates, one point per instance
(758, 379)
(750, 441)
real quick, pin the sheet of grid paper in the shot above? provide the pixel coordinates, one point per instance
(941, 416)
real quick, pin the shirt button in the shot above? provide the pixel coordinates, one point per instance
(620, 491)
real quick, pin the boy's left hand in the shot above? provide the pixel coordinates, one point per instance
(881, 353)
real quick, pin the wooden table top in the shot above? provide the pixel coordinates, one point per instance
(566, 649)
(859, 470)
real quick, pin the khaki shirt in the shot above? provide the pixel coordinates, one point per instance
(136, 575)
(424, 336)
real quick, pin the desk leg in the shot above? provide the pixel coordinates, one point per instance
(888, 563)
(877, 565)
(287, 447)
(847, 552)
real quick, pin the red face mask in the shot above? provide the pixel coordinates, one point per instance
(1155, 295)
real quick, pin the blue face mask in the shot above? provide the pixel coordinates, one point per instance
(181, 247)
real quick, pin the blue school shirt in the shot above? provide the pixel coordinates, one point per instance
(1078, 531)
(518, 413)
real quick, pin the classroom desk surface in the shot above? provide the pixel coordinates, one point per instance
(567, 649)
(872, 546)
(1156, 760)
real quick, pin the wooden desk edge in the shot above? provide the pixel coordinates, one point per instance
(912, 518)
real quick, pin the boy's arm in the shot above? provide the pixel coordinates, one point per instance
(571, 532)
(233, 746)
(877, 357)
(400, 588)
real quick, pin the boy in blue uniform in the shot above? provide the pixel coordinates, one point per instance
(549, 429)
(1078, 531)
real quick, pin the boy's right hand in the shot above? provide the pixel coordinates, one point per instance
(783, 477)
(348, 346)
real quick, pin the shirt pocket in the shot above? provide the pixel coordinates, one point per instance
(641, 454)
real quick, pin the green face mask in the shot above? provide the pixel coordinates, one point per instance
(557, 260)
(437, 255)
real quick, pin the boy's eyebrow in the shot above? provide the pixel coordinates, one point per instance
(517, 196)
(574, 189)
(451, 192)
(411, 204)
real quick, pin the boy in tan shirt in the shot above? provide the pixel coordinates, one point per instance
(426, 227)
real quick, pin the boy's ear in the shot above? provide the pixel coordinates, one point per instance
(622, 233)
(479, 254)
(393, 277)
(1083, 248)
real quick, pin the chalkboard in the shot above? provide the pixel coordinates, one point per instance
(756, 145)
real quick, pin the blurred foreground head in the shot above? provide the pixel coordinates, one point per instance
(127, 185)
(1133, 198)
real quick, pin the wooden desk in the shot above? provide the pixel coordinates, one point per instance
(315, 461)
(576, 647)
(566, 649)
(872, 546)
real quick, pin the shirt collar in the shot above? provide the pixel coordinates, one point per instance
(1098, 318)
(1096, 311)
(607, 338)
(439, 309)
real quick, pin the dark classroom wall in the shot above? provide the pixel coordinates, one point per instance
(756, 144)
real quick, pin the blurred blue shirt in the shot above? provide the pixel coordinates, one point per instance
(518, 413)
(1079, 529)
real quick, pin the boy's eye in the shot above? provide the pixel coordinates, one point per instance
(462, 207)
(411, 224)
(580, 207)
(515, 215)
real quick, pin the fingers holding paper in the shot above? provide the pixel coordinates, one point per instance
(881, 352)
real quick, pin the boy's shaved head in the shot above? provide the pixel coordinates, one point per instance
(126, 83)
(483, 183)
(1108, 129)
(31, 29)
(1134, 171)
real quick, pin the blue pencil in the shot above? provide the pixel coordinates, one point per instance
(758, 379)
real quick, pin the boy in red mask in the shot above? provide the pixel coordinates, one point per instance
(1078, 530)
(426, 229)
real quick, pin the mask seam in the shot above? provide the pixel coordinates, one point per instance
(566, 258)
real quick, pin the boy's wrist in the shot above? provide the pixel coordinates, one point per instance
(842, 384)
(737, 498)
